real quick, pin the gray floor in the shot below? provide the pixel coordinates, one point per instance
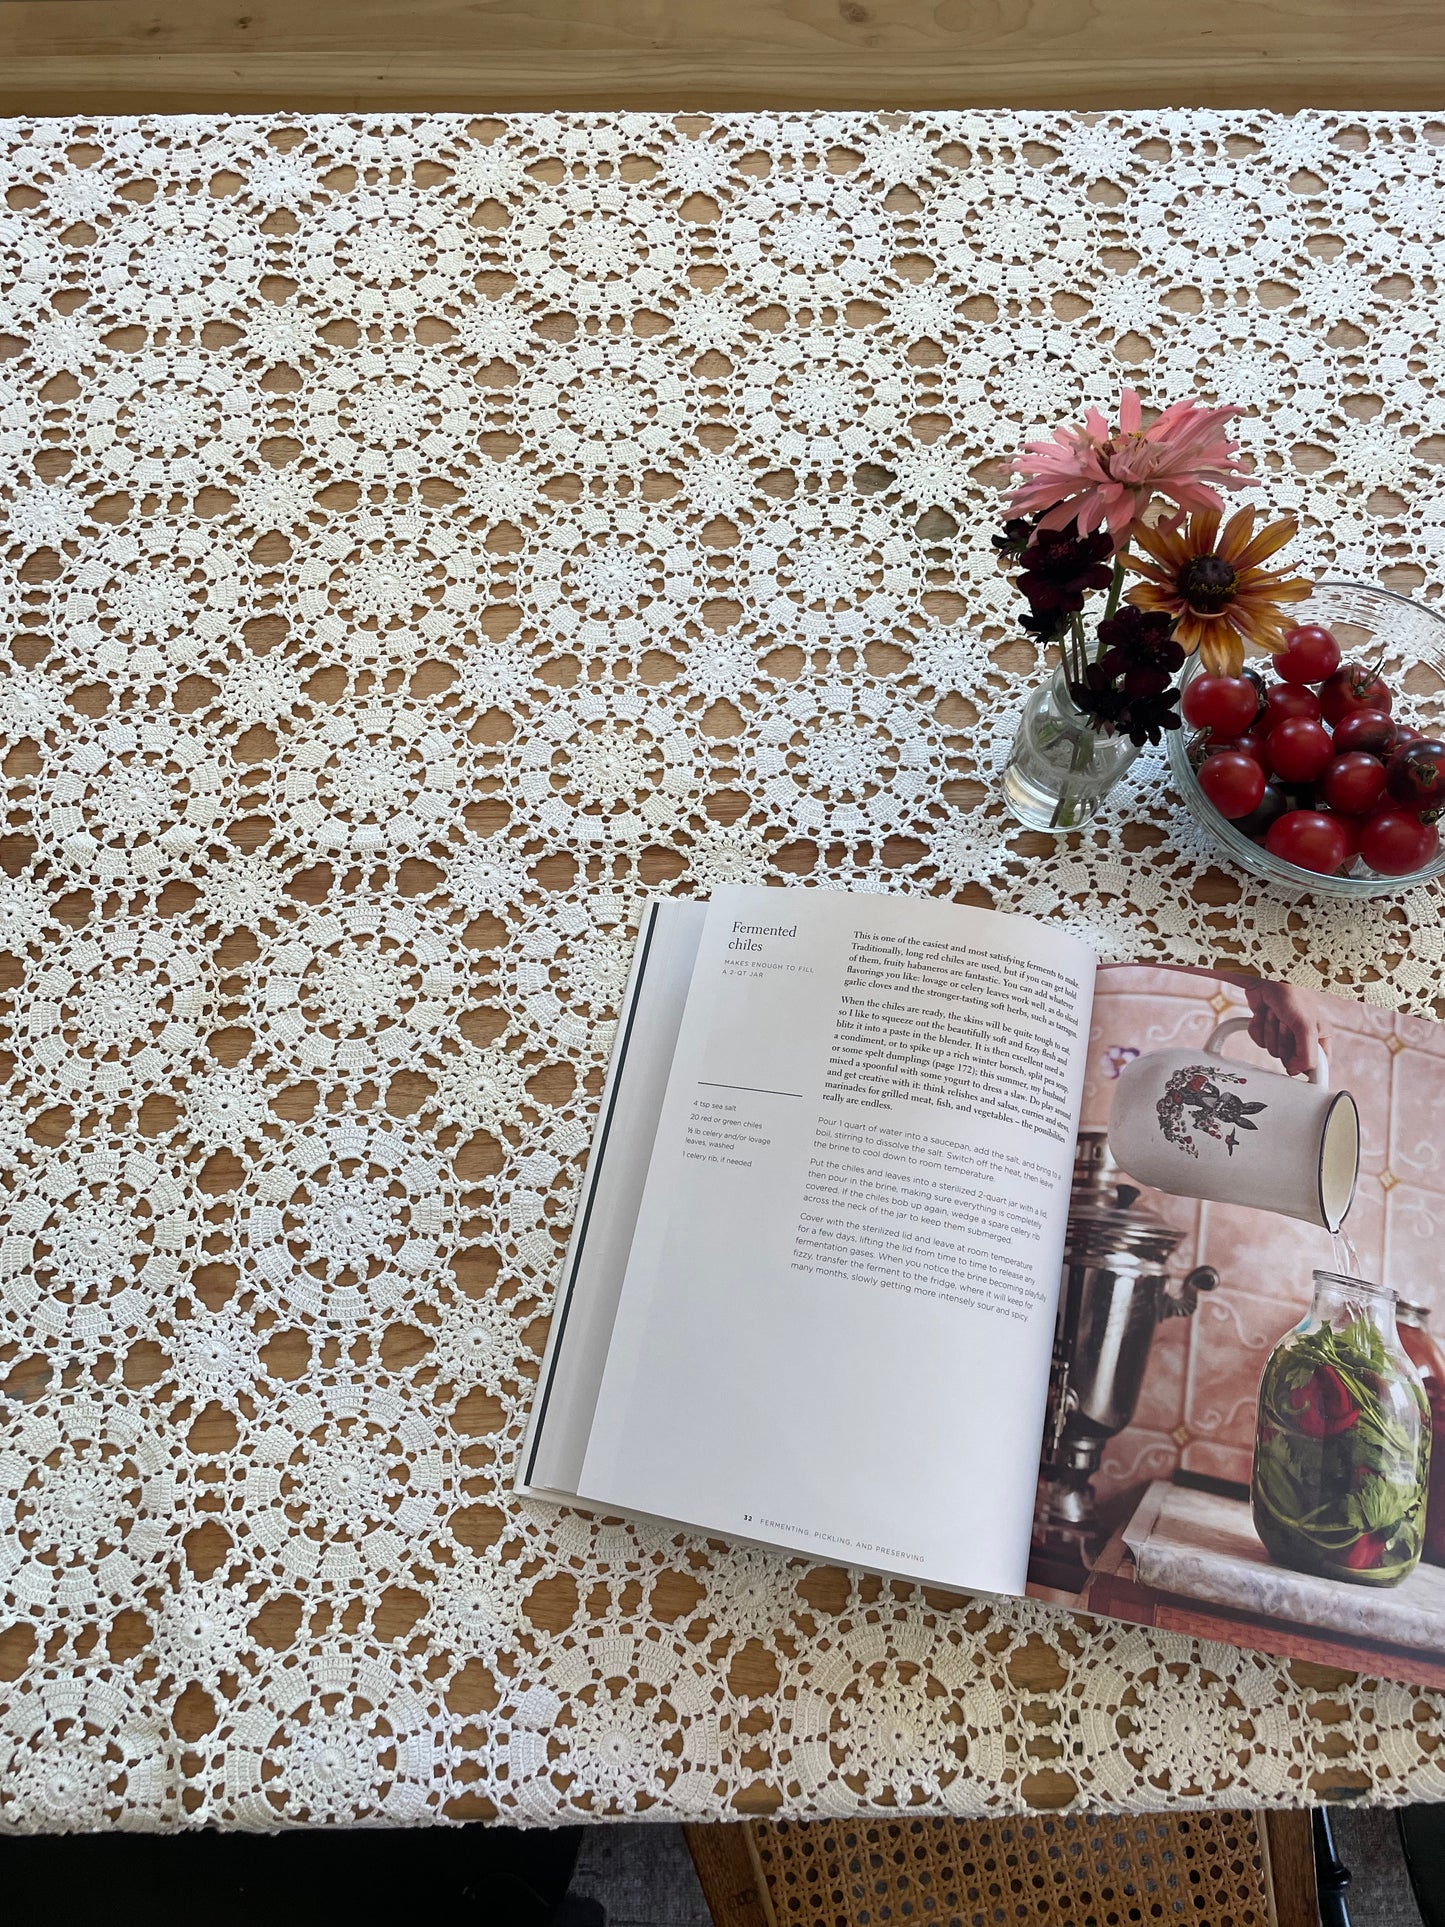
(1379, 1892)
(644, 1877)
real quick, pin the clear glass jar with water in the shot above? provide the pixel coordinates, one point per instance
(1061, 766)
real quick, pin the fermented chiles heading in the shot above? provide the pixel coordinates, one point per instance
(744, 933)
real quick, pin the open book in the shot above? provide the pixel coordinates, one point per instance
(888, 1245)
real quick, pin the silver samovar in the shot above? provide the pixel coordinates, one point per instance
(1115, 1290)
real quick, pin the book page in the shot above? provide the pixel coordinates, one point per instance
(591, 1282)
(835, 1326)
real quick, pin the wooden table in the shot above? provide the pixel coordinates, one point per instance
(133, 56)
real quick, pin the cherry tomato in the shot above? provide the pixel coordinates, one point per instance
(1310, 654)
(1310, 839)
(1367, 729)
(1353, 783)
(1354, 685)
(1404, 733)
(1298, 750)
(1353, 827)
(1233, 782)
(1395, 842)
(1416, 774)
(1223, 703)
(1251, 743)
(1285, 700)
(1272, 805)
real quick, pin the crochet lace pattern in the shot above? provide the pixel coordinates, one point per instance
(422, 537)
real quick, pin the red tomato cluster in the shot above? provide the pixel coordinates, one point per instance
(1314, 766)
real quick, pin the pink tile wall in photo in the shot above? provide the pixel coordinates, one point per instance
(1196, 1409)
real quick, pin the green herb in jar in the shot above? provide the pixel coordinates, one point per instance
(1341, 1457)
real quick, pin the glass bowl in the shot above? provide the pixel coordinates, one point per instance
(1367, 622)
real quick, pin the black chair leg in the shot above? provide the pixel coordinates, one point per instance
(1332, 1876)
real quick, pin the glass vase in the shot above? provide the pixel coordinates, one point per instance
(1342, 1444)
(1061, 766)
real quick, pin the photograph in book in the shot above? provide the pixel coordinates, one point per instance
(1245, 1384)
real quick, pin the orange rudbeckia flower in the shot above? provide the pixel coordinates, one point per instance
(1209, 580)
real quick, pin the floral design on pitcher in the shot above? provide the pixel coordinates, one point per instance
(1193, 1101)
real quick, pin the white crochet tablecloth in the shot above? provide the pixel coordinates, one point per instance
(421, 538)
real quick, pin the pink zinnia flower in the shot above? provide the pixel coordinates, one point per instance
(1090, 476)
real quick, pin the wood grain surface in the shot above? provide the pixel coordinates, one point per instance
(1290, 1840)
(134, 56)
(728, 1873)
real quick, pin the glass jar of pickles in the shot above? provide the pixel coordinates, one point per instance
(1342, 1445)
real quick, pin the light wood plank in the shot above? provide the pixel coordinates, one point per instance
(1290, 1844)
(728, 1873)
(131, 56)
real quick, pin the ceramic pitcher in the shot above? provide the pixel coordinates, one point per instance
(1192, 1123)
